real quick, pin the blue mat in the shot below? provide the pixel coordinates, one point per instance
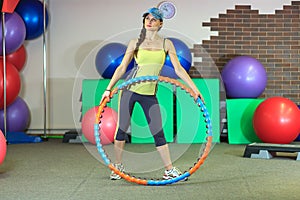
(21, 137)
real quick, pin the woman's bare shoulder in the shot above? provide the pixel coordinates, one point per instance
(132, 43)
(169, 45)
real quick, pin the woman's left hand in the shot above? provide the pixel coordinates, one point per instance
(198, 94)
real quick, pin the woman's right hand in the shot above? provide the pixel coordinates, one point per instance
(106, 94)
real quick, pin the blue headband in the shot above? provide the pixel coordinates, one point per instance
(155, 12)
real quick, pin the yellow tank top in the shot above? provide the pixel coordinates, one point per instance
(149, 63)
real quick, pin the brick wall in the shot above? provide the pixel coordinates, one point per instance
(273, 39)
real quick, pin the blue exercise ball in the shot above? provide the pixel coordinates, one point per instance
(14, 34)
(168, 72)
(184, 56)
(32, 13)
(244, 77)
(109, 57)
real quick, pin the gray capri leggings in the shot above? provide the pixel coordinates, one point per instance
(152, 112)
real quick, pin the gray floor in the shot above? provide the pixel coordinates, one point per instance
(56, 170)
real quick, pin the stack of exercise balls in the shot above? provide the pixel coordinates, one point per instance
(275, 119)
(25, 23)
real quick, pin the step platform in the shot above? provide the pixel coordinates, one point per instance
(72, 136)
(268, 150)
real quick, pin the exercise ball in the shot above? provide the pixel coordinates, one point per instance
(244, 77)
(13, 83)
(15, 32)
(3, 147)
(184, 56)
(109, 57)
(107, 126)
(17, 58)
(168, 72)
(298, 138)
(32, 13)
(17, 116)
(276, 120)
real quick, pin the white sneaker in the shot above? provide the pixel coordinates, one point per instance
(172, 173)
(113, 175)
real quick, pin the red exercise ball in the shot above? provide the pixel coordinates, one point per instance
(276, 120)
(3, 147)
(13, 83)
(107, 126)
(17, 58)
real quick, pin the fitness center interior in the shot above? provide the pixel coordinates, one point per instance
(240, 139)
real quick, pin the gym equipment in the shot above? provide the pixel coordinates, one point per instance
(239, 120)
(32, 13)
(268, 151)
(141, 181)
(14, 34)
(184, 56)
(244, 77)
(276, 120)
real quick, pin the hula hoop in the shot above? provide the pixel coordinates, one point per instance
(141, 181)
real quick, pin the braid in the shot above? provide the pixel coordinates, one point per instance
(140, 40)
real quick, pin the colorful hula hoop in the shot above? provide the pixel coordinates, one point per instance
(141, 181)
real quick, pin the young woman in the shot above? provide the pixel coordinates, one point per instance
(149, 52)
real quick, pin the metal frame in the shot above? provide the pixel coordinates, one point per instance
(44, 69)
(4, 70)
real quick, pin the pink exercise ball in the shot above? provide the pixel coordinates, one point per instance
(107, 126)
(2, 147)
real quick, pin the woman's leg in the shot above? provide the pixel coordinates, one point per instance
(165, 156)
(125, 111)
(126, 104)
(153, 115)
(118, 147)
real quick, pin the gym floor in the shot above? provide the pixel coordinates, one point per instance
(57, 170)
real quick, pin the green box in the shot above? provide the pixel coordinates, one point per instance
(191, 127)
(239, 120)
(92, 90)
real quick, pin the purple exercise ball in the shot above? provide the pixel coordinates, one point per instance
(17, 116)
(15, 33)
(244, 77)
